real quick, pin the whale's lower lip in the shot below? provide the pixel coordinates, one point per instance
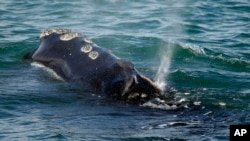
(50, 71)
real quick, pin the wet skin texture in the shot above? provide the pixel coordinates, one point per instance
(76, 58)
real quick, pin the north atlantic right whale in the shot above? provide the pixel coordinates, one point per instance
(74, 57)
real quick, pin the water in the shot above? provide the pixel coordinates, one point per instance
(206, 46)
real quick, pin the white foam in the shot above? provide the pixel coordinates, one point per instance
(197, 103)
(159, 104)
(222, 104)
(183, 123)
(194, 48)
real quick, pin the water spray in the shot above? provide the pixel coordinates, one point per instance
(163, 70)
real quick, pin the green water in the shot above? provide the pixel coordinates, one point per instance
(209, 63)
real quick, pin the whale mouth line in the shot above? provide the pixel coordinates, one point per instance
(50, 71)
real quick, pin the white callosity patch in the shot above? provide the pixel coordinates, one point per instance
(93, 55)
(69, 36)
(50, 31)
(62, 31)
(87, 40)
(86, 48)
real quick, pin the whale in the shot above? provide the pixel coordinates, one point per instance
(76, 58)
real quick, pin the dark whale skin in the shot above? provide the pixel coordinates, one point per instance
(76, 58)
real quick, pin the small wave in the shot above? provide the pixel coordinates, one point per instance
(183, 51)
(232, 63)
(194, 48)
(186, 51)
(171, 124)
(175, 124)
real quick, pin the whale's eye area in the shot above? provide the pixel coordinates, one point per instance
(93, 55)
(86, 48)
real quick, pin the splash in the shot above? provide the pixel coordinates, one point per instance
(164, 67)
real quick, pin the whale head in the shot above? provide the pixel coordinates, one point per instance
(125, 83)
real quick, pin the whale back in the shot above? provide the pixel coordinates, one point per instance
(71, 54)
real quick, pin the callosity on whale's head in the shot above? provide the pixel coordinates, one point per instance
(74, 57)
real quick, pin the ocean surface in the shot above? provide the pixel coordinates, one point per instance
(199, 48)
